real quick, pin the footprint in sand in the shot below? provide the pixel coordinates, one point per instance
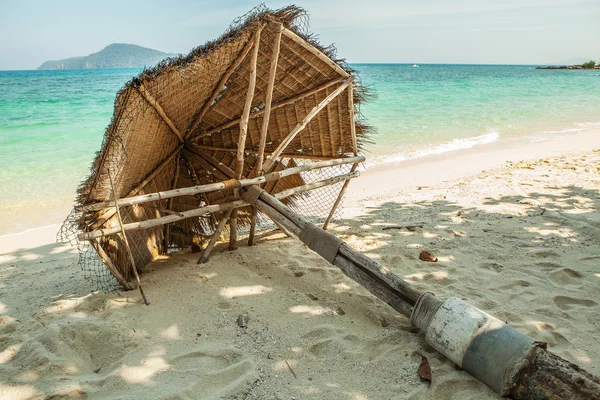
(329, 340)
(545, 254)
(549, 265)
(211, 372)
(565, 276)
(566, 303)
(492, 266)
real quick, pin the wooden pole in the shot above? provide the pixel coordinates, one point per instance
(239, 162)
(541, 375)
(222, 81)
(156, 105)
(196, 180)
(265, 123)
(133, 226)
(131, 259)
(354, 147)
(214, 238)
(285, 142)
(302, 42)
(109, 264)
(375, 278)
(275, 106)
(269, 99)
(212, 187)
(169, 207)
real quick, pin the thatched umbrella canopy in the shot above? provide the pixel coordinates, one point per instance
(263, 97)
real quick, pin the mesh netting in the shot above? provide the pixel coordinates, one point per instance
(177, 125)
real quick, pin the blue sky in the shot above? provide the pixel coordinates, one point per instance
(426, 31)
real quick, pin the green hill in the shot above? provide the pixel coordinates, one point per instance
(116, 55)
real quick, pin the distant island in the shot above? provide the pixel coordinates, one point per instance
(588, 65)
(116, 55)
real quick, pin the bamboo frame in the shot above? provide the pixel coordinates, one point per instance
(269, 99)
(239, 162)
(214, 238)
(213, 208)
(207, 104)
(257, 170)
(156, 105)
(355, 148)
(122, 231)
(109, 264)
(291, 35)
(134, 226)
(275, 106)
(169, 207)
(271, 161)
(211, 187)
(107, 215)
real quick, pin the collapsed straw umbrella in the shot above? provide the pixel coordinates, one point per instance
(262, 120)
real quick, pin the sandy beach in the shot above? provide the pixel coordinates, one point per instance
(516, 231)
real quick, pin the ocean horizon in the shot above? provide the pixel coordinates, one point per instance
(53, 122)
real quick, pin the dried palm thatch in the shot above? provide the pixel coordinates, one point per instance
(263, 98)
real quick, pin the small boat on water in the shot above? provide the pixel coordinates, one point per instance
(415, 65)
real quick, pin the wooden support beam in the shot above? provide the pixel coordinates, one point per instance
(316, 185)
(275, 106)
(212, 187)
(297, 39)
(352, 119)
(207, 104)
(265, 123)
(169, 209)
(271, 161)
(210, 168)
(269, 99)
(108, 214)
(227, 172)
(214, 238)
(111, 267)
(128, 248)
(155, 172)
(156, 105)
(379, 280)
(134, 226)
(354, 148)
(241, 145)
(239, 164)
(338, 199)
(196, 181)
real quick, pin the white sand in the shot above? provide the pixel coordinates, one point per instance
(520, 240)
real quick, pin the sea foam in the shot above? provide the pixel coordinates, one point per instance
(453, 145)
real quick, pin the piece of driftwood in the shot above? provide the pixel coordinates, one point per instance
(550, 377)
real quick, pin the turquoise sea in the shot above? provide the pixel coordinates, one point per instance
(52, 122)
